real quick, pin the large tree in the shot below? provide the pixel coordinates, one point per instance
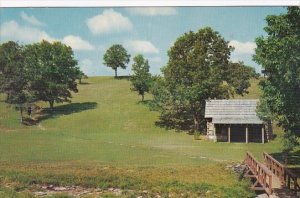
(279, 54)
(53, 71)
(116, 56)
(14, 76)
(141, 77)
(198, 69)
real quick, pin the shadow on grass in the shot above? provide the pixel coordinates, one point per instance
(84, 83)
(66, 109)
(149, 103)
(185, 124)
(122, 77)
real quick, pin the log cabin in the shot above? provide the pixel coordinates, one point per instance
(235, 121)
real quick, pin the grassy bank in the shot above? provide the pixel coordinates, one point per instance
(106, 137)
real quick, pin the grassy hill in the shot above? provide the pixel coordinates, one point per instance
(106, 135)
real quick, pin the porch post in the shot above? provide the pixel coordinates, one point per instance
(262, 134)
(229, 133)
(246, 134)
(215, 135)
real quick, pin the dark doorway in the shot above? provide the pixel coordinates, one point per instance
(238, 133)
(222, 132)
(255, 133)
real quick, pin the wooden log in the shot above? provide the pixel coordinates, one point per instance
(247, 134)
(295, 185)
(229, 135)
(263, 134)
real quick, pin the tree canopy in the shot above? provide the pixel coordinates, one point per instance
(14, 80)
(198, 69)
(53, 71)
(116, 56)
(279, 54)
(141, 77)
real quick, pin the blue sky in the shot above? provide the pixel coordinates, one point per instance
(149, 31)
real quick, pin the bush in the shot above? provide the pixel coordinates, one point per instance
(197, 135)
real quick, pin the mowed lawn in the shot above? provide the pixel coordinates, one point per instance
(107, 126)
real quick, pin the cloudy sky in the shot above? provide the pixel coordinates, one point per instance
(149, 31)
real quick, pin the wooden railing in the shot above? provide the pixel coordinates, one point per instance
(283, 173)
(261, 172)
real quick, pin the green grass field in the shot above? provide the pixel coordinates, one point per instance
(106, 137)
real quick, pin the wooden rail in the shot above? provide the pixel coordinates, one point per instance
(260, 172)
(284, 174)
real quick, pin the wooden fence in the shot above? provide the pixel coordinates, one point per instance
(262, 174)
(287, 178)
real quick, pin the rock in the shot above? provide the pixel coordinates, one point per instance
(273, 196)
(262, 196)
(117, 192)
(98, 190)
(85, 192)
(40, 193)
(238, 168)
(208, 192)
(59, 188)
(145, 192)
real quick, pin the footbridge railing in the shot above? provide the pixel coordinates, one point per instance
(286, 177)
(259, 172)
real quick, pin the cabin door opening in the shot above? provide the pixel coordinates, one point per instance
(238, 133)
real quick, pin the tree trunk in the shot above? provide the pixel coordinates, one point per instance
(196, 122)
(116, 74)
(21, 114)
(79, 80)
(286, 158)
(51, 102)
(142, 97)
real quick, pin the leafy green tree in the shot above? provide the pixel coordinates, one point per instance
(13, 76)
(81, 76)
(141, 77)
(53, 71)
(116, 56)
(279, 54)
(238, 76)
(198, 69)
(289, 142)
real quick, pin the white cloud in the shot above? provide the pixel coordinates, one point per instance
(153, 11)
(139, 46)
(235, 59)
(243, 48)
(109, 21)
(31, 19)
(86, 65)
(13, 31)
(155, 59)
(77, 43)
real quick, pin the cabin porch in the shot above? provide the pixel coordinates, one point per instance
(237, 132)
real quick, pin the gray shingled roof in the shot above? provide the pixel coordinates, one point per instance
(232, 111)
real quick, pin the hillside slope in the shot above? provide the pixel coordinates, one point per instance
(107, 138)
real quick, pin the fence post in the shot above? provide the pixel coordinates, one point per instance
(270, 184)
(295, 185)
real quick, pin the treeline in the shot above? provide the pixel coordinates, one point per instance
(279, 54)
(117, 57)
(41, 71)
(199, 68)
